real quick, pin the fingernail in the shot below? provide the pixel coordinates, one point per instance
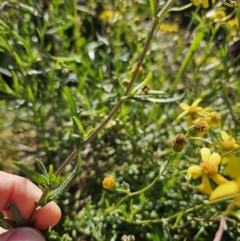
(22, 234)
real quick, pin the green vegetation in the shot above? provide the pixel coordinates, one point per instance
(66, 66)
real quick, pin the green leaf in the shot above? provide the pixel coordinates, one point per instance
(79, 127)
(17, 215)
(156, 100)
(143, 83)
(71, 101)
(19, 61)
(31, 174)
(153, 7)
(56, 193)
(192, 50)
(179, 216)
(42, 167)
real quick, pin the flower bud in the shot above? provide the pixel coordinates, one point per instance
(179, 142)
(199, 128)
(125, 82)
(109, 182)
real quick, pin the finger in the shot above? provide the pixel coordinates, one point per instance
(22, 234)
(25, 194)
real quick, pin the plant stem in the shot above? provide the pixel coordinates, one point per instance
(166, 220)
(131, 194)
(110, 115)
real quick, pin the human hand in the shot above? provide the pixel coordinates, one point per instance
(24, 194)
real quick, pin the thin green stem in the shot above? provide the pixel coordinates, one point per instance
(189, 210)
(131, 194)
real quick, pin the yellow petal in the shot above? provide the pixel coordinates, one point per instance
(205, 186)
(224, 190)
(205, 154)
(181, 115)
(184, 106)
(205, 3)
(219, 179)
(232, 169)
(194, 171)
(196, 102)
(215, 158)
(224, 135)
(196, 2)
(225, 160)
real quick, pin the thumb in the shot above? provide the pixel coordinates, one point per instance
(22, 234)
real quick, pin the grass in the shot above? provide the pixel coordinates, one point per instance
(93, 48)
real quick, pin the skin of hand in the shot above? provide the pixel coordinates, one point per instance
(24, 194)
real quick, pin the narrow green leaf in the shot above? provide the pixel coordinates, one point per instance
(5, 88)
(51, 175)
(71, 101)
(19, 61)
(192, 50)
(143, 83)
(156, 100)
(80, 129)
(31, 174)
(42, 167)
(153, 7)
(29, 94)
(23, 42)
(179, 216)
(15, 82)
(17, 215)
(66, 184)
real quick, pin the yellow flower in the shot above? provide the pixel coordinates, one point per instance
(217, 15)
(199, 128)
(108, 15)
(226, 189)
(208, 169)
(108, 182)
(204, 3)
(192, 111)
(169, 28)
(228, 144)
(213, 119)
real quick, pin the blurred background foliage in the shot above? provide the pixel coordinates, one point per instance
(92, 47)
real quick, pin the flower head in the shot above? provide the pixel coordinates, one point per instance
(179, 141)
(199, 127)
(208, 169)
(191, 110)
(205, 3)
(228, 143)
(213, 119)
(108, 182)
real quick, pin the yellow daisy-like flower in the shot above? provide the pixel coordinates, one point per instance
(205, 3)
(192, 111)
(213, 119)
(228, 144)
(208, 169)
